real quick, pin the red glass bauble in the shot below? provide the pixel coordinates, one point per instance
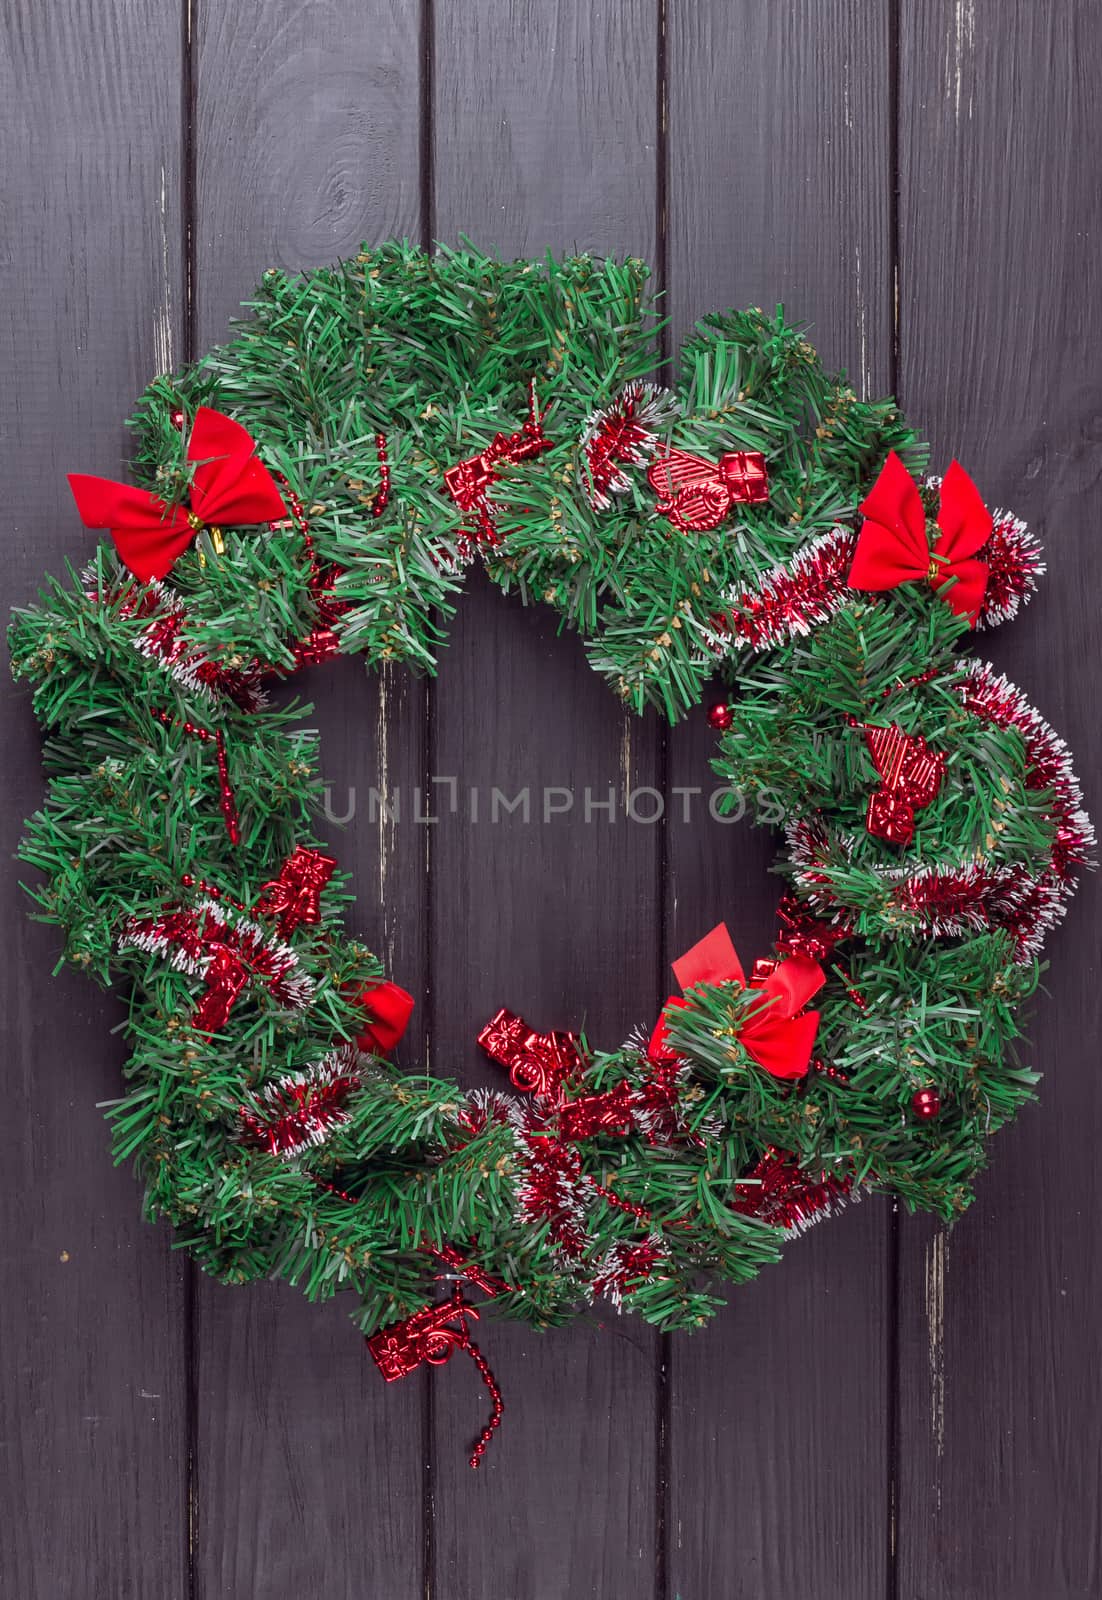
(721, 716)
(926, 1103)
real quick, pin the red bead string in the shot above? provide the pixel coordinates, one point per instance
(213, 891)
(497, 1404)
(379, 504)
(226, 802)
(640, 1213)
(827, 1069)
(910, 683)
(322, 643)
(342, 1194)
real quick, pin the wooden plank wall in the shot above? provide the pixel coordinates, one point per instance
(893, 1412)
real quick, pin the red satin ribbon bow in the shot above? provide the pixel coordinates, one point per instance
(778, 1033)
(911, 774)
(229, 487)
(388, 1009)
(696, 494)
(893, 547)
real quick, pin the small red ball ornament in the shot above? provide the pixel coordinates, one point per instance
(177, 419)
(721, 716)
(926, 1103)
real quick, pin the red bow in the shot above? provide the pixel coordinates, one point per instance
(893, 548)
(389, 1009)
(912, 775)
(295, 896)
(696, 494)
(778, 1033)
(229, 486)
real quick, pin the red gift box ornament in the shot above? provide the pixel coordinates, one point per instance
(430, 1335)
(295, 896)
(229, 486)
(469, 481)
(696, 494)
(777, 1033)
(537, 1063)
(893, 546)
(911, 776)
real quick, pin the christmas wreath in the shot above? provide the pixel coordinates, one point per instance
(321, 484)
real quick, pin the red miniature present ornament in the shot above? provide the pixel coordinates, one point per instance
(430, 1335)
(537, 1063)
(469, 481)
(911, 774)
(696, 494)
(295, 896)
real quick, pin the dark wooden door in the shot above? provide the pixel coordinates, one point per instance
(894, 1412)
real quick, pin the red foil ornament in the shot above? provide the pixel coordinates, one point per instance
(594, 1116)
(319, 645)
(802, 933)
(225, 977)
(431, 1335)
(911, 774)
(695, 494)
(295, 896)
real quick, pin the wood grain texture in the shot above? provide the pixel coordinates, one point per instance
(92, 1388)
(779, 141)
(309, 1470)
(1001, 1353)
(544, 138)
